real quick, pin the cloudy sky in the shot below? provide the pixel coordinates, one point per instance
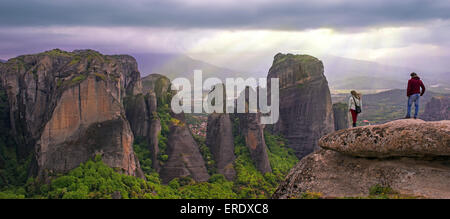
(402, 33)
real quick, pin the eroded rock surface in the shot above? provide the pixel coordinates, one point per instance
(334, 175)
(409, 156)
(341, 116)
(305, 102)
(401, 138)
(66, 107)
(185, 158)
(438, 108)
(253, 132)
(220, 140)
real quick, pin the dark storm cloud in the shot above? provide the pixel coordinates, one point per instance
(283, 14)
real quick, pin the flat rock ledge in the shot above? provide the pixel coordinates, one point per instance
(400, 138)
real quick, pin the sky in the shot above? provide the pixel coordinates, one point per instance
(402, 33)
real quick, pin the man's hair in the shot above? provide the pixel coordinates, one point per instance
(413, 74)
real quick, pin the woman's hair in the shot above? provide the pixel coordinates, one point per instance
(356, 94)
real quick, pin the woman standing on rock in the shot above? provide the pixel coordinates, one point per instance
(355, 105)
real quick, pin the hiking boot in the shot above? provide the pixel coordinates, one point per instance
(408, 117)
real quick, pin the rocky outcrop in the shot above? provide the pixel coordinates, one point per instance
(341, 116)
(184, 155)
(335, 174)
(160, 85)
(253, 132)
(86, 121)
(401, 138)
(5, 138)
(141, 112)
(305, 101)
(66, 107)
(438, 108)
(220, 140)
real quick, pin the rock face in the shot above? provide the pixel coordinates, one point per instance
(220, 140)
(305, 101)
(184, 154)
(401, 138)
(160, 85)
(141, 112)
(66, 107)
(438, 108)
(184, 157)
(4, 129)
(336, 174)
(341, 116)
(252, 130)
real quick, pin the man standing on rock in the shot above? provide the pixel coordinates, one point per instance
(413, 92)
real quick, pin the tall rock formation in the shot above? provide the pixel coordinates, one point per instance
(66, 107)
(184, 155)
(354, 160)
(160, 85)
(220, 140)
(438, 108)
(141, 112)
(341, 116)
(305, 101)
(253, 132)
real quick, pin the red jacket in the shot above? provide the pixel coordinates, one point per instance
(414, 85)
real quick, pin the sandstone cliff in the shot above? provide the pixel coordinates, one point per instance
(66, 107)
(141, 112)
(341, 116)
(305, 101)
(418, 167)
(184, 154)
(438, 108)
(160, 85)
(220, 140)
(184, 157)
(253, 132)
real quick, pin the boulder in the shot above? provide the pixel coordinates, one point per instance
(401, 138)
(409, 156)
(305, 101)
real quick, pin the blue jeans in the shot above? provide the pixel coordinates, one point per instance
(413, 98)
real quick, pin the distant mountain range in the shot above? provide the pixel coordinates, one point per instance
(2, 61)
(177, 65)
(390, 105)
(341, 73)
(344, 73)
